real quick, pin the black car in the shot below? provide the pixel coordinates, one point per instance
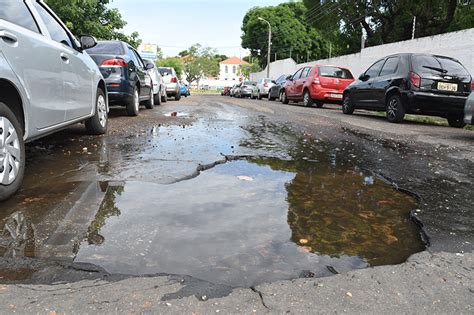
(275, 90)
(127, 78)
(412, 83)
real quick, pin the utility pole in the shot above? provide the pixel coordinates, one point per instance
(291, 51)
(330, 50)
(414, 28)
(269, 45)
(275, 56)
(362, 40)
(307, 58)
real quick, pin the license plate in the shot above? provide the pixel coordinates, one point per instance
(451, 87)
(339, 96)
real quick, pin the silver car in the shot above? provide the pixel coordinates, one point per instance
(469, 110)
(171, 81)
(263, 88)
(47, 82)
(159, 86)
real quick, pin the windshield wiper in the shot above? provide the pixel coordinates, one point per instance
(436, 69)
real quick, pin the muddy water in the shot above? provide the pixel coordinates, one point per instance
(294, 207)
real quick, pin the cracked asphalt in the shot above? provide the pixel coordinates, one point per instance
(60, 252)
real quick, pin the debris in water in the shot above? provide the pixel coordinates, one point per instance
(303, 241)
(245, 178)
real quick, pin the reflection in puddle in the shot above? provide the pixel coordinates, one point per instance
(292, 217)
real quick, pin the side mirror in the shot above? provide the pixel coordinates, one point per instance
(149, 66)
(274, 82)
(289, 78)
(87, 42)
(364, 77)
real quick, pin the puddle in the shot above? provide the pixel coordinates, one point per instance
(177, 114)
(123, 205)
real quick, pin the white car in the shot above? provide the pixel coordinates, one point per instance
(263, 88)
(171, 81)
(159, 86)
(47, 82)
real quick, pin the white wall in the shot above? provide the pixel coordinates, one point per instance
(458, 45)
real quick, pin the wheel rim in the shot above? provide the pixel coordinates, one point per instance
(102, 110)
(392, 108)
(137, 101)
(306, 99)
(10, 152)
(347, 103)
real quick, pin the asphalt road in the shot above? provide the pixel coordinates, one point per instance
(60, 252)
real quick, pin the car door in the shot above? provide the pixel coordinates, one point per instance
(291, 84)
(36, 60)
(145, 79)
(78, 90)
(300, 83)
(363, 95)
(383, 82)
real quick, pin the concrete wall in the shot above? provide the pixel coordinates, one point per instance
(459, 45)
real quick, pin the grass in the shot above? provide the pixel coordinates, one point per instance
(206, 92)
(429, 120)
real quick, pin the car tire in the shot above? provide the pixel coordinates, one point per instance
(177, 97)
(15, 149)
(270, 98)
(284, 98)
(150, 104)
(164, 98)
(97, 124)
(319, 104)
(133, 106)
(259, 96)
(395, 109)
(347, 105)
(307, 99)
(157, 98)
(456, 121)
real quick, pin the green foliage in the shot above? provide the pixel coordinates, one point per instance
(172, 62)
(93, 17)
(291, 33)
(199, 62)
(247, 69)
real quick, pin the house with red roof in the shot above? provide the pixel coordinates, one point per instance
(231, 69)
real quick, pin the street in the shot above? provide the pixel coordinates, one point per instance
(216, 204)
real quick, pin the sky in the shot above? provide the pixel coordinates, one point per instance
(175, 25)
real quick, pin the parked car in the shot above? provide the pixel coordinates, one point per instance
(469, 109)
(263, 87)
(184, 89)
(171, 81)
(275, 90)
(234, 89)
(245, 89)
(47, 83)
(412, 83)
(127, 78)
(226, 91)
(159, 86)
(317, 85)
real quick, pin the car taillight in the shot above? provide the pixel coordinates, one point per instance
(174, 80)
(415, 79)
(316, 80)
(472, 85)
(265, 85)
(114, 63)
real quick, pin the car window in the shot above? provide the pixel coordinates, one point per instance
(425, 64)
(16, 12)
(134, 58)
(297, 75)
(140, 61)
(107, 48)
(164, 71)
(390, 66)
(334, 72)
(374, 70)
(305, 72)
(57, 32)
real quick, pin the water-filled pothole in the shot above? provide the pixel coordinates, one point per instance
(248, 222)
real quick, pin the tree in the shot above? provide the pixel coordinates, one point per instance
(247, 69)
(292, 35)
(159, 53)
(93, 17)
(171, 62)
(199, 62)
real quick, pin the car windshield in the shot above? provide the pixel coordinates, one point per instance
(436, 65)
(107, 48)
(335, 72)
(249, 83)
(165, 71)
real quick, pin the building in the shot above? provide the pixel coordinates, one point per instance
(230, 69)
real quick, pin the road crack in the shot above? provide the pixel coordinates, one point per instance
(260, 294)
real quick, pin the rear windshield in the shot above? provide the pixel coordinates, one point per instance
(438, 65)
(249, 83)
(164, 71)
(107, 48)
(335, 72)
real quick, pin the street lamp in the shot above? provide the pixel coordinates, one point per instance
(269, 44)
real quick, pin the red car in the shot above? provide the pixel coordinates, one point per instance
(316, 85)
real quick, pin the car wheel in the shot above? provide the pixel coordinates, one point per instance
(151, 102)
(307, 99)
(456, 121)
(164, 98)
(319, 104)
(133, 107)
(259, 96)
(12, 153)
(177, 97)
(97, 124)
(270, 98)
(284, 98)
(395, 109)
(347, 105)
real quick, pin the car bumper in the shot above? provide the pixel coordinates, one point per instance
(172, 88)
(469, 110)
(327, 95)
(434, 104)
(119, 91)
